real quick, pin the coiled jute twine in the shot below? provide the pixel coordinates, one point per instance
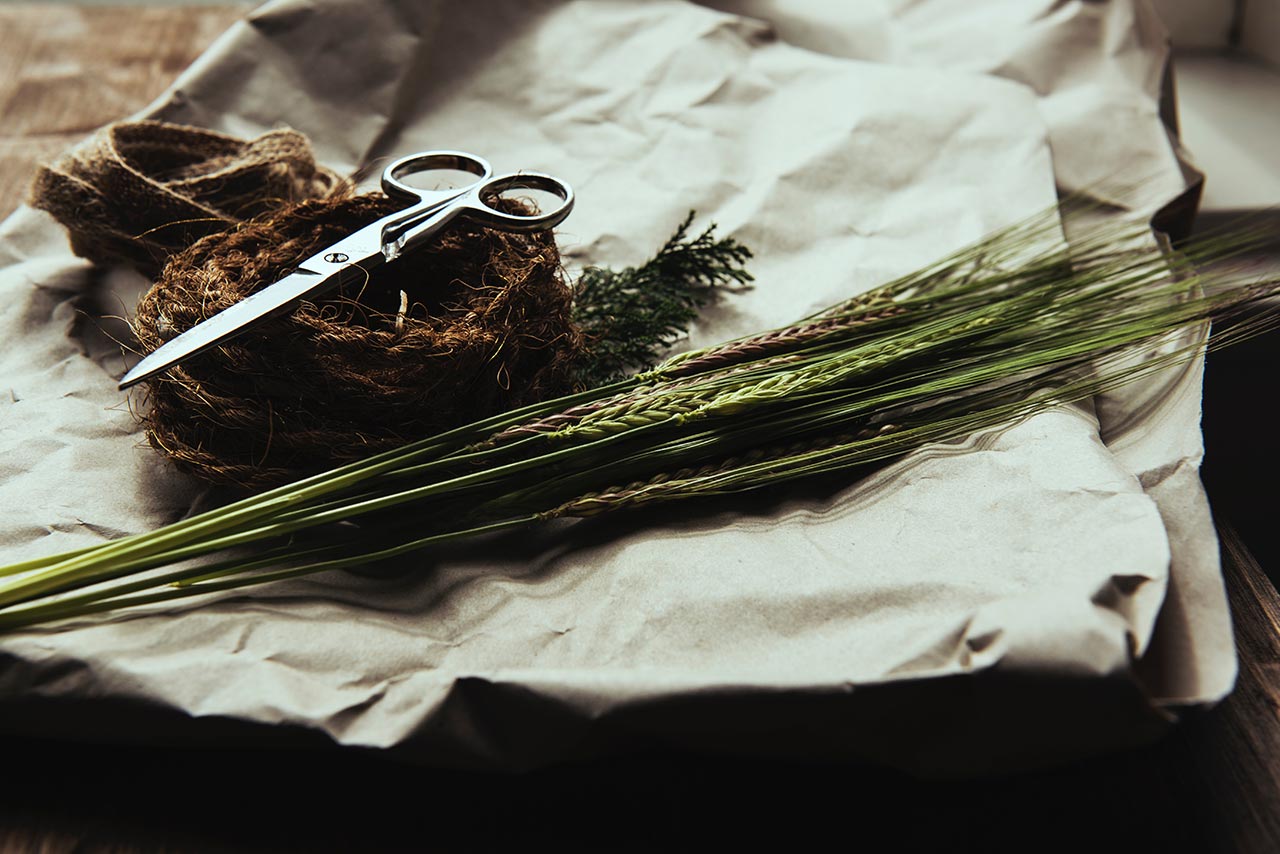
(136, 192)
(475, 323)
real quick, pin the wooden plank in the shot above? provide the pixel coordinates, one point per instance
(1240, 752)
(66, 71)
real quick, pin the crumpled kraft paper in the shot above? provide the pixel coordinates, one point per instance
(1030, 594)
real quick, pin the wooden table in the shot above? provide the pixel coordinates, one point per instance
(1213, 785)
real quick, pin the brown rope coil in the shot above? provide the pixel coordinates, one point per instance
(475, 323)
(136, 192)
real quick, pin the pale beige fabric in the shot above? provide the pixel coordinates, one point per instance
(987, 605)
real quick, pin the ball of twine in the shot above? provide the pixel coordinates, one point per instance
(475, 323)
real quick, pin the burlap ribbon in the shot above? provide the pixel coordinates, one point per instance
(137, 192)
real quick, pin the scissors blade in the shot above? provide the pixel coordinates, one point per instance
(352, 257)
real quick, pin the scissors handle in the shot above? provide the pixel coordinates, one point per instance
(425, 201)
(475, 204)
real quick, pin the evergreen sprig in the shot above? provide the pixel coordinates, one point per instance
(631, 316)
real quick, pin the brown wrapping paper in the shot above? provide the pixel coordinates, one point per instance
(1031, 594)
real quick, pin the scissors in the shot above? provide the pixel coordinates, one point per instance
(354, 256)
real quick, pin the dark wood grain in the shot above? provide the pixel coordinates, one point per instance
(67, 70)
(1244, 749)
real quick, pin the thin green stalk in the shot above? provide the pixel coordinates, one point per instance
(58, 610)
(113, 559)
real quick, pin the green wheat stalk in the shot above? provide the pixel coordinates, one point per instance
(1017, 323)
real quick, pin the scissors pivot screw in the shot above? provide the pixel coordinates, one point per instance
(336, 257)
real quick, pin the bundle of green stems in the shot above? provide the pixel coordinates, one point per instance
(1017, 323)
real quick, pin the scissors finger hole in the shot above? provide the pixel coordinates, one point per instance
(436, 179)
(521, 200)
(527, 201)
(434, 171)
